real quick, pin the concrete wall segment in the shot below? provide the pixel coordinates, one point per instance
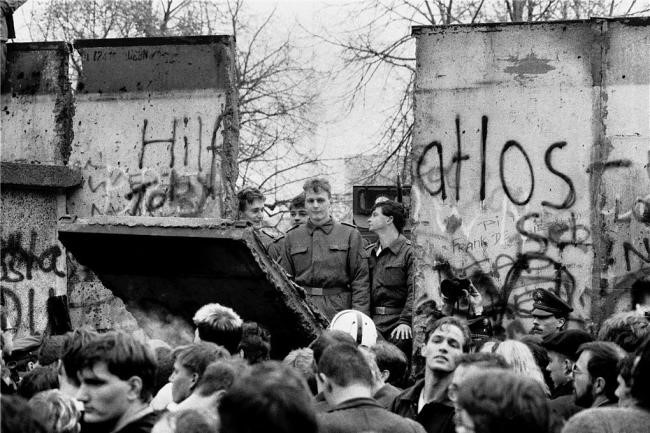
(37, 104)
(170, 102)
(132, 97)
(514, 128)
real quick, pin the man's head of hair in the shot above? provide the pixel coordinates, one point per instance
(165, 361)
(71, 362)
(255, 343)
(197, 356)
(124, 356)
(345, 365)
(220, 325)
(271, 398)
(18, 417)
(329, 338)
(318, 185)
(433, 324)
(298, 202)
(483, 360)
(627, 329)
(390, 358)
(302, 360)
(248, 196)
(641, 375)
(640, 291)
(395, 210)
(220, 376)
(37, 380)
(503, 401)
(603, 362)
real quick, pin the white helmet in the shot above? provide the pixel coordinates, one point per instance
(357, 324)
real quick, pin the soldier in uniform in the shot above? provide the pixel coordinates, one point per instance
(391, 261)
(550, 313)
(251, 208)
(298, 215)
(297, 210)
(326, 257)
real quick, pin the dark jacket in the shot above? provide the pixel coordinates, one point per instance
(566, 389)
(329, 257)
(364, 415)
(392, 274)
(386, 395)
(435, 416)
(140, 425)
(564, 406)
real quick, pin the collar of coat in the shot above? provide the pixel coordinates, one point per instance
(394, 246)
(326, 227)
(355, 402)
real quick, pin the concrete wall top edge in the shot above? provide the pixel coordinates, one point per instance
(136, 42)
(421, 30)
(138, 67)
(38, 46)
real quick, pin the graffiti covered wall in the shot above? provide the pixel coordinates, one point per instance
(35, 100)
(150, 126)
(107, 127)
(531, 161)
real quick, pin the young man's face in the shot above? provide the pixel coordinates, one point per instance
(442, 348)
(254, 212)
(378, 220)
(318, 206)
(582, 381)
(299, 215)
(557, 367)
(183, 381)
(105, 396)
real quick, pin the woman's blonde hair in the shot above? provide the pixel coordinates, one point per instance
(57, 411)
(520, 358)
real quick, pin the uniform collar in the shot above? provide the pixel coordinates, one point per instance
(327, 227)
(355, 402)
(394, 246)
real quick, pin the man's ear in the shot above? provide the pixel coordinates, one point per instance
(135, 388)
(568, 367)
(385, 374)
(599, 386)
(194, 381)
(327, 385)
(562, 322)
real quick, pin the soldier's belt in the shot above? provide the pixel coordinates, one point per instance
(321, 291)
(386, 310)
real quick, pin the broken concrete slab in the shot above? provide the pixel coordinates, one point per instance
(176, 265)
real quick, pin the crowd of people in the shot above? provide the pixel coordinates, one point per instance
(362, 374)
(224, 381)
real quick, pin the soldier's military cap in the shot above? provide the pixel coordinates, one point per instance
(547, 303)
(566, 342)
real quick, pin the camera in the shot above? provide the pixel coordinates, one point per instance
(455, 288)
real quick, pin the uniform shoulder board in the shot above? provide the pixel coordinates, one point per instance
(349, 225)
(270, 233)
(293, 227)
(279, 238)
